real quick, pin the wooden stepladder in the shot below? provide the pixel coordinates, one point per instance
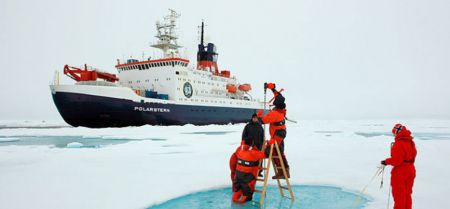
(266, 169)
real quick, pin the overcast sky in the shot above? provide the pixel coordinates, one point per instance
(336, 59)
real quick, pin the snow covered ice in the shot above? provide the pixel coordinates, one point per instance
(154, 164)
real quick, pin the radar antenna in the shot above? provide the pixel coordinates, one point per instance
(167, 38)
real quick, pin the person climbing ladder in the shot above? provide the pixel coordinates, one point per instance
(277, 129)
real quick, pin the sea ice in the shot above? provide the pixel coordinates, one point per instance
(74, 145)
(154, 164)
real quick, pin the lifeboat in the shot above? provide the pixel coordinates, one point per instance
(245, 87)
(231, 88)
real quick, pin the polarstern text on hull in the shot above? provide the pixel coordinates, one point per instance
(167, 90)
(150, 109)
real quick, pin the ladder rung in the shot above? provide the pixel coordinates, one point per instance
(257, 190)
(262, 168)
(275, 157)
(283, 187)
(259, 179)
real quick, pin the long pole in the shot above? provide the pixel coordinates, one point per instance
(264, 125)
(389, 197)
(358, 198)
(265, 98)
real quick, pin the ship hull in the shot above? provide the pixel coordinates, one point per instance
(94, 111)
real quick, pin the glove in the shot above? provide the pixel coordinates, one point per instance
(259, 113)
(270, 86)
(383, 162)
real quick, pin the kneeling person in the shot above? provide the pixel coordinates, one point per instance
(246, 173)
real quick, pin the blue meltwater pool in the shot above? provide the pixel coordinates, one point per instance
(307, 197)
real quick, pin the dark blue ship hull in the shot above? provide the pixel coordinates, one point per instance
(100, 112)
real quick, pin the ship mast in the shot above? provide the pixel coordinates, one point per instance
(167, 38)
(201, 39)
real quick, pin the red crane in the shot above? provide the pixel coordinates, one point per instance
(88, 75)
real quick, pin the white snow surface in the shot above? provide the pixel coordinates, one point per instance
(141, 173)
(33, 123)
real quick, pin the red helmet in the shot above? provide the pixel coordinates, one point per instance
(397, 129)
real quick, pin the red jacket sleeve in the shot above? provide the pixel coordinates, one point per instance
(233, 162)
(269, 118)
(397, 155)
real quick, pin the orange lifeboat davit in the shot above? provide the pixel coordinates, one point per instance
(231, 88)
(245, 87)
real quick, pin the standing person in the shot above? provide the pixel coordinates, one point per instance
(276, 119)
(403, 155)
(246, 162)
(253, 133)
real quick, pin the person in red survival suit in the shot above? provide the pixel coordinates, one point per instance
(403, 155)
(246, 162)
(277, 129)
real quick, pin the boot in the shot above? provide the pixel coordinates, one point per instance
(279, 173)
(236, 196)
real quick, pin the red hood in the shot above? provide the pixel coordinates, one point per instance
(404, 134)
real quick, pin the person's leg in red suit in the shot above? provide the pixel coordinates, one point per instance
(398, 184)
(409, 186)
